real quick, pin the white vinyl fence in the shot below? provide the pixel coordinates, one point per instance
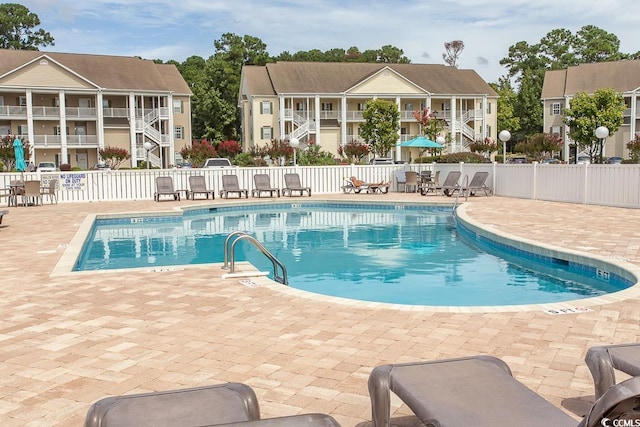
(612, 185)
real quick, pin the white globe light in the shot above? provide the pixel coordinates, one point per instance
(440, 140)
(148, 146)
(294, 142)
(504, 136)
(602, 132)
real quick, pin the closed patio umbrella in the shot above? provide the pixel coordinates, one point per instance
(420, 142)
(18, 150)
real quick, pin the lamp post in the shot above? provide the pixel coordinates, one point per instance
(504, 136)
(147, 146)
(294, 143)
(601, 133)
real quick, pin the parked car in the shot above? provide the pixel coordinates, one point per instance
(583, 160)
(550, 161)
(518, 160)
(47, 167)
(217, 162)
(184, 165)
(381, 161)
(613, 160)
(101, 167)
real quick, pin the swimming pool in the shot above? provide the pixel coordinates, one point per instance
(403, 254)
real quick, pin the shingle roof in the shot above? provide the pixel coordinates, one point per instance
(108, 72)
(623, 76)
(338, 77)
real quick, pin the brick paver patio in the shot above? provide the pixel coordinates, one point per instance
(68, 340)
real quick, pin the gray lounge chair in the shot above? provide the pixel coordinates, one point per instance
(450, 184)
(481, 391)
(231, 404)
(292, 184)
(200, 406)
(602, 361)
(230, 186)
(164, 187)
(198, 185)
(478, 183)
(263, 185)
(401, 178)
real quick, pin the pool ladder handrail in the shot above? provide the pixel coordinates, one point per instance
(463, 190)
(229, 261)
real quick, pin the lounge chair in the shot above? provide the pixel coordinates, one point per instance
(478, 183)
(231, 404)
(481, 391)
(411, 181)
(3, 213)
(292, 184)
(602, 361)
(230, 186)
(50, 190)
(198, 185)
(199, 406)
(357, 185)
(164, 187)
(31, 193)
(450, 184)
(263, 185)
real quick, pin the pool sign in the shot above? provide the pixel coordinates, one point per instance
(73, 181)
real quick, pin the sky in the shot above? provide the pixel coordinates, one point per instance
(178, 29)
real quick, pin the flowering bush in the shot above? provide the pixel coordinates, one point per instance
(114, 156)
(634, 149)
(229, 149)
(354, 151)
(7, 153)
(198, 152)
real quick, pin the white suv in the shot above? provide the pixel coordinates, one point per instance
(47, 167)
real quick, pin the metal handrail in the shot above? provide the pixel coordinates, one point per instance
(463, 189)
(229, 261)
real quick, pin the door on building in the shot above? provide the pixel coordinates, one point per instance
(82, 161)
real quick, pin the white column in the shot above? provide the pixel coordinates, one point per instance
(343, 126)
(317, 115)
(454, 126)
(398, 149)
(632, 122)
(483, 124)
(565, 134)
(172, 141)
(100, 121)
(132, 129)
(281, 116)
(63, 127)
(30, 129)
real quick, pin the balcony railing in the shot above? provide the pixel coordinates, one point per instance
(13, 111)
(81, 112)
(115, 112)
(40, 111)
(55, 141)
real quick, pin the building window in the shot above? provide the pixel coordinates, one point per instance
(178, 106)
(556, 130)
(327, 106)
(178, 132)
(58, 131)
(266, 107)
(22, 130)
(266, 132)
(300, 106)
(22, 101)
(106, 103)
(488, 108)
(361, 106)
(408, 106)
(488, 131)
(556, 109)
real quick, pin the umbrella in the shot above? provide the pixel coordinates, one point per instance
(19, 153)
(420, 142)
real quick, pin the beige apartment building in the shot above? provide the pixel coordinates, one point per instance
(560, 86)
(323, 102)
(69, 106)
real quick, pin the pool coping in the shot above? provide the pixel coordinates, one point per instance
(65, 264)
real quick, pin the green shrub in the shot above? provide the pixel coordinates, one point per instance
(462, 157)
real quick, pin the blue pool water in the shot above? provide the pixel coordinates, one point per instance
(400, 254)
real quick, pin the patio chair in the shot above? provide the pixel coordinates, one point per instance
(263, 185)
(198, 185)
(31, 193)
(478, 183)
(431, 185)
(481, 391)
(230, 186)
(50, 190)
(401, 179)
(602, 361)
(411, 181)
(292, 184)
(3, 213)
(164, 187)
(199, 406)
(450, 184)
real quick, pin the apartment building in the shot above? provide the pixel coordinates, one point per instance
(560, 86)
(323, 102)
(69, 106)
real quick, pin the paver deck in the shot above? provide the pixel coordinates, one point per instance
(69, 340)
